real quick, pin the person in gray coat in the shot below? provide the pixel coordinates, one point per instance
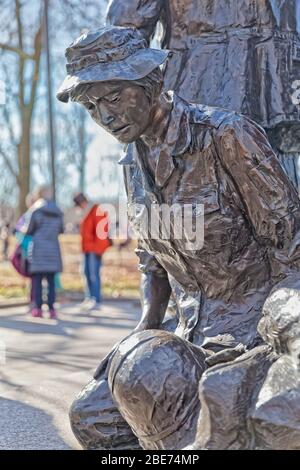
(45, 225)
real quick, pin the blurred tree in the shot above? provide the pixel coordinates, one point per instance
(27, 81)
(74, 147)
(23, 123)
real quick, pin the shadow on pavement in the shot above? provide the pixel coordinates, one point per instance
(65, 326)
(25, 427)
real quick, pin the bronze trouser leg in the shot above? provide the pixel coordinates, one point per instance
(154, 378)
(96, 421)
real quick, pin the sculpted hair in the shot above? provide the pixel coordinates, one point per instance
(152, 84)
(80, 91)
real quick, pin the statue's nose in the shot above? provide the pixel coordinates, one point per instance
(105, 116)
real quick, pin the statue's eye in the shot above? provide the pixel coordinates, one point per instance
(113, 98)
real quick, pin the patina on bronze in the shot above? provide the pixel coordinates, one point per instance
(254, 401)
(243, 55)
(192, 154)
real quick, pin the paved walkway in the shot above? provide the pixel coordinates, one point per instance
(47, 363)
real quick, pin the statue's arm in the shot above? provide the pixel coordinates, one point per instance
(268, 199)
(143, 14)
(155, 291)
(155, 295)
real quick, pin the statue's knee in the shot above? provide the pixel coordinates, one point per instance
(154, 379)
(75, 413)
(83, 413)
(97, 422)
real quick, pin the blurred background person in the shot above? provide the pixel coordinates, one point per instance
(93, 245)
(20, 258)
(45, 226)
(5, 232)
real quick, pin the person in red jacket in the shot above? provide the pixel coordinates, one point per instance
(94, 242)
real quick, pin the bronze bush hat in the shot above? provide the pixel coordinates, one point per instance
(109, 53)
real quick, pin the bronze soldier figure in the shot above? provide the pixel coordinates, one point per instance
(204, 158)
(243, 55)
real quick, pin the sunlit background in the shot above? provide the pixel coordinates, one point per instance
(84, 157)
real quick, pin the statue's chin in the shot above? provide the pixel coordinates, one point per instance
(127, 141)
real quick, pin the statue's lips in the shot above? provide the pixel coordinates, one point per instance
(120, 129)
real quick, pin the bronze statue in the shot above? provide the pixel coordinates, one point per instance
(191, 155)
(254, 401)
(243, 55)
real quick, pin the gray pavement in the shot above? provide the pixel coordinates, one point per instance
(47, 362)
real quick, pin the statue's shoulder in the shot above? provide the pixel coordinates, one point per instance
(209, 115)
(241, 128)
(217, 118)
(201, 113)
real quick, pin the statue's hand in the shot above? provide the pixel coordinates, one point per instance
(226, 355)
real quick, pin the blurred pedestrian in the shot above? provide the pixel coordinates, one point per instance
(20, 258)
(94, 241)
(45, 226)
(5, 233)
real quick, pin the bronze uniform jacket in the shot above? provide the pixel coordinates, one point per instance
(223, 161)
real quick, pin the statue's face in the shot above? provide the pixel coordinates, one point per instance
(119, 107)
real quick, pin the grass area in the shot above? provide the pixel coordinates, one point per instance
(13, 292)
(120, 277)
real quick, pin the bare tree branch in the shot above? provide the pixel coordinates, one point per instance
(9, 125)
(21, 60)
(23, 55)
(8, 164)
(6, 113)
(37, 59)
(19, 23)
